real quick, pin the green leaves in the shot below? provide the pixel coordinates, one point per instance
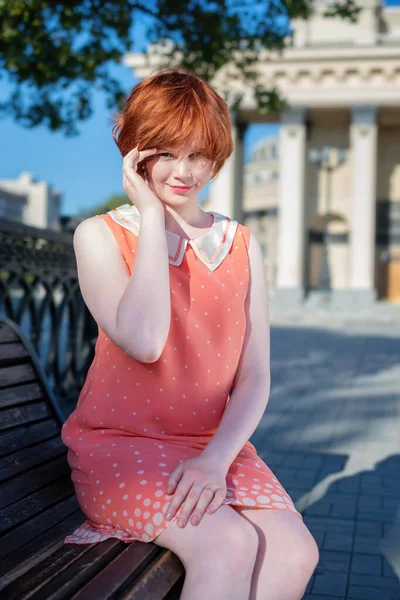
(56, 52)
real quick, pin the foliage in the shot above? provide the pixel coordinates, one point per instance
(62, 50)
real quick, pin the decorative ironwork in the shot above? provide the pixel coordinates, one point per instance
(39, 290)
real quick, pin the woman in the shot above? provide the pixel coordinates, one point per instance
(159, 441)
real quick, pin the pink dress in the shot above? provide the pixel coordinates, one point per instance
(135, 422)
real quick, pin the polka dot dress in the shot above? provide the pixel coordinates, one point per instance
(135, 422)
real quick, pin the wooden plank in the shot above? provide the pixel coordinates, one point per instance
(67, 560)
(7, 334)
(17, 374)
(21, 394)
(33, 504)
(34, 536)
(28, 458)
(27, 435)
(157, 580)
(20, 415)
(18, 561)
(117, 575)
(13, 353)
(17, 488)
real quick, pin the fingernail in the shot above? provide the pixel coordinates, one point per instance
(169, 515)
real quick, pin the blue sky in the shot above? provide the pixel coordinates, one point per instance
(87, 169)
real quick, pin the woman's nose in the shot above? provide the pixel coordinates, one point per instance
(183, 168)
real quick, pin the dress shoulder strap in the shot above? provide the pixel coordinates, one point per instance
(246, 235)
(127, 241)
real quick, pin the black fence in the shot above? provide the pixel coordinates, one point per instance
(39, 290)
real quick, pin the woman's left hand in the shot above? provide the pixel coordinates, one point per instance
(198, 485)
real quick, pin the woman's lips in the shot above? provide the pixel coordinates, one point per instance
(180, 189)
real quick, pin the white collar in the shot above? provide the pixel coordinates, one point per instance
(211, 247)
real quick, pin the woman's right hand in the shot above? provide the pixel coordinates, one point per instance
(139, 193)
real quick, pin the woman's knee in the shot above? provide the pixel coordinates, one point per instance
(234, 539)
(222, 536)
(305, 553)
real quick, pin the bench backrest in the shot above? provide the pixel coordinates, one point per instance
(34, 472)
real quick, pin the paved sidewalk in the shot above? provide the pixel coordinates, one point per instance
(331, 433)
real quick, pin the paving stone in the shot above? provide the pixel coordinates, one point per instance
(390, 501)
(370, 502)
(323, 523)
(368, 529)
(367, 544)
(388, 570)
(319, 597)
(343, 511)
(319, 508)
(368, 564)
(338, 542)
(358, 592)
(347, 485)
(391, 583)
(341, 498)
(330, 583)
(372, 480)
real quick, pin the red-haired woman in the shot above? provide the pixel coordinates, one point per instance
(159, 441)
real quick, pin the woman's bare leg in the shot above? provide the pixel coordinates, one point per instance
(218, 555)
(287, 554)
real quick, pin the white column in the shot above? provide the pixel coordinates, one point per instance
(226, 192)
(291, 235)
(363, 139)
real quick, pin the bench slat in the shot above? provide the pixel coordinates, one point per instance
(35, 535)
(14, 514)
(12, 417)
(17, 488)
(21, 559)
(12, 353)
(27, 436)
(115, 576)
(21, 394)
(17, 374)
(64, 559)
(7, 334)
(157, 580)
(28, 458)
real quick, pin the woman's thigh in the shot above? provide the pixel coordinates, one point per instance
(225, 528)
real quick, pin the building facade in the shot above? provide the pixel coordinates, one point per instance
(337, 224)
(30, 202)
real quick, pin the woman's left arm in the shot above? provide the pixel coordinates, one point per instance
(252, 382)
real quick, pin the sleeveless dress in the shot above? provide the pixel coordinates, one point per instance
(135, 422)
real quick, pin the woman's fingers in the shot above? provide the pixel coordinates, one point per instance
(196, 497)
(134, 157)
(178, 499)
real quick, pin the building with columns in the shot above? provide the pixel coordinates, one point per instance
(338, 222)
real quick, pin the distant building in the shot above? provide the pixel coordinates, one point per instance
(12, 206)
(30, 202)
(336, 233)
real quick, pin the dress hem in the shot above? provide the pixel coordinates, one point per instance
(96, 536)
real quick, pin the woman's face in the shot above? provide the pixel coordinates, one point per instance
(177, 176)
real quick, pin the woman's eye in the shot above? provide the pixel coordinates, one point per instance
(164, 153)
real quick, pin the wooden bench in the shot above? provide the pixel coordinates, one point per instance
(38, 506)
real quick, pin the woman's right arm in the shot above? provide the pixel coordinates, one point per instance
(133, 310)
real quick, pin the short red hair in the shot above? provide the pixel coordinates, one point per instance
(167, 109)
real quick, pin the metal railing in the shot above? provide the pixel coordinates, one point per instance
(39, 290)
